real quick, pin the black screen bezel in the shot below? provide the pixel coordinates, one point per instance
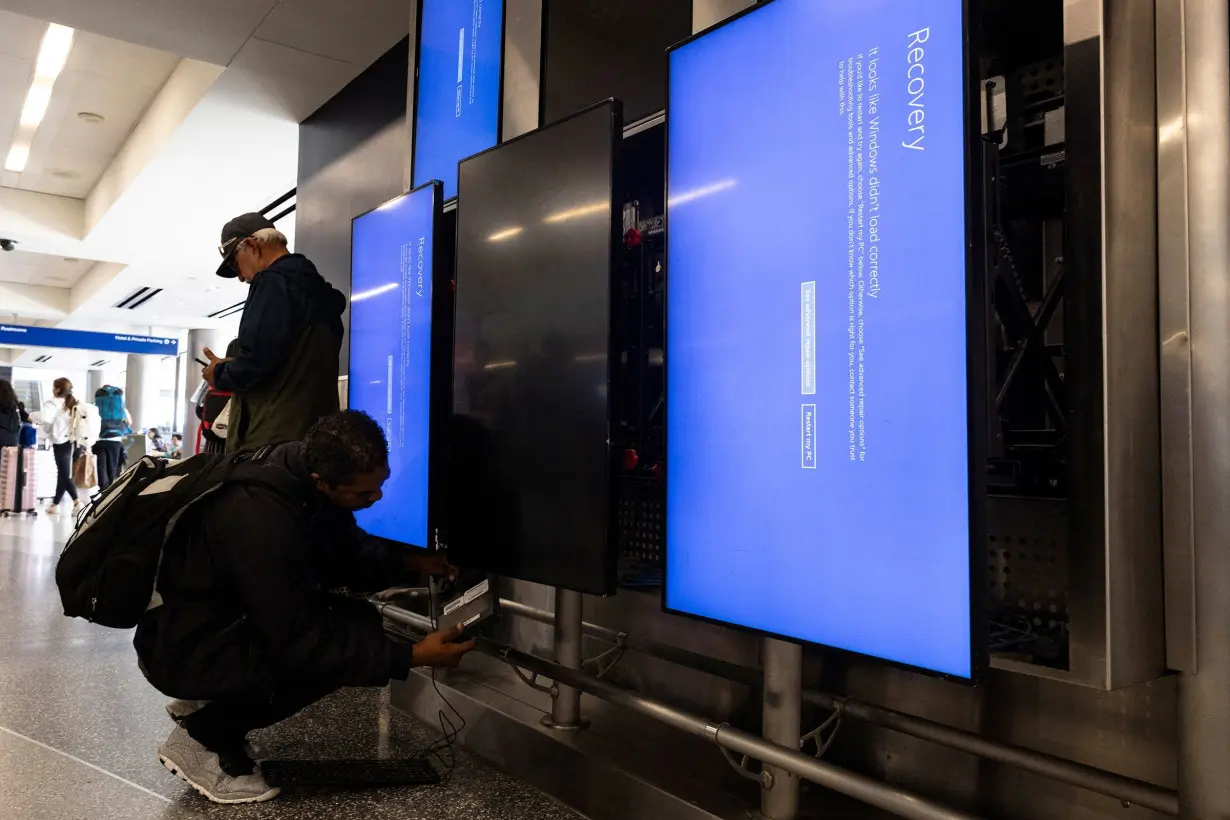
(977, 388)
(413, 116)
(440, 378)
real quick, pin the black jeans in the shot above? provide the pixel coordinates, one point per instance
(64, 471)
(223, 725)
(109, 453)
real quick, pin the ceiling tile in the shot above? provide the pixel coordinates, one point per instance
(20, 36)
(209, 30)
(103, 76)
(118, 60)
(355, 32)
(26, 268)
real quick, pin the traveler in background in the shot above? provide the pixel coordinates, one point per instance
(245, 632)
(284, 375)
(116, 423)
(213, 408)
(29, 435)
(154, 444)
(57, 418)
(177, 446)
(10, 418)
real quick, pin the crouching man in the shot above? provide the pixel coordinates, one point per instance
(247, 633)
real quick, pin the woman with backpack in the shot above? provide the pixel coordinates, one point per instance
(58, 419)
(116, 424)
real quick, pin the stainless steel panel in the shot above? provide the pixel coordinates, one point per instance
(1204, 711)
(1117, 634)
(706, 13)
(1135, 649)
(1174, 326)
(522, 67)
(1129, 732)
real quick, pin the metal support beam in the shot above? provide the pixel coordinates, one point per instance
(566, 705)
(783, 718)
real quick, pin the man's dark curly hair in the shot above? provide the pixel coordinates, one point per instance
(344, 445)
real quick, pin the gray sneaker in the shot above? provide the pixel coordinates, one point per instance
(180, 709)
(204, 771)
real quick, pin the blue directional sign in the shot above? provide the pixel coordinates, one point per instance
(21, 336)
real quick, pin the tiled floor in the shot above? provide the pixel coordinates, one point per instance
(79, 725)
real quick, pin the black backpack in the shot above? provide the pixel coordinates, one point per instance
(108, 570)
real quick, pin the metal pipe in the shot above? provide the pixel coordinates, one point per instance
(872, 792)
(566, 705)
(645, 646)
(1127, 789)
(782, 703)
(1136, 792)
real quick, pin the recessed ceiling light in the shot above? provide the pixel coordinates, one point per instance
(71, 260)
(53, 52)
(52, 55)
(91, 117)
(18, 156)
(64, 173)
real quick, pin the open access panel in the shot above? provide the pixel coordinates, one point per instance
(400, 351)
(537, 240)
(825, 385)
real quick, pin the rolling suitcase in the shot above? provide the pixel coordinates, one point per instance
(43, 473)
(17, 484)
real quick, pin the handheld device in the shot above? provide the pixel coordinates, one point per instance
(201, 363)
(467, 606)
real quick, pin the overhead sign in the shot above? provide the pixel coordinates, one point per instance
(21, 336)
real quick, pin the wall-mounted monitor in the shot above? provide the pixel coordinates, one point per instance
(824, 331)
(399, 326)
(458, 87)
(538, 230)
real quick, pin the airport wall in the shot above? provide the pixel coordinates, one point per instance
(352, 155)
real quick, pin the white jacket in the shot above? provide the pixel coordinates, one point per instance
(57, 423)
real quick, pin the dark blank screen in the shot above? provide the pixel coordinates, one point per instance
(818, 468)
(529, 479)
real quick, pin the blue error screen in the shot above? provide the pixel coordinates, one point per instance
(390, 353)
(818, 482)
(461, 48)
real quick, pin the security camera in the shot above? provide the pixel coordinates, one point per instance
(8, 244)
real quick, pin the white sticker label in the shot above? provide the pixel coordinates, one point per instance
(476, 591)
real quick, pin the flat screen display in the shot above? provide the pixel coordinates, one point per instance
(818, 443)
(461, 54)
(536, 232)
(392, 264)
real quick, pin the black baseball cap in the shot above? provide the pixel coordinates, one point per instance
(234, 232)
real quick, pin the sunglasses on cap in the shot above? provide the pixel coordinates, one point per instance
(228, 249)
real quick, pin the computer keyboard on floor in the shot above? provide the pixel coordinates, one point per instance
(349, 773)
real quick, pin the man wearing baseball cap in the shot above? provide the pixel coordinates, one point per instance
(284, 376)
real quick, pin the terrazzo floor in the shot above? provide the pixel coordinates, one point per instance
(79, 725)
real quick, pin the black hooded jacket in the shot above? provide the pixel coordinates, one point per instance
(285, 375)
(245, 604)
(10, 428)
